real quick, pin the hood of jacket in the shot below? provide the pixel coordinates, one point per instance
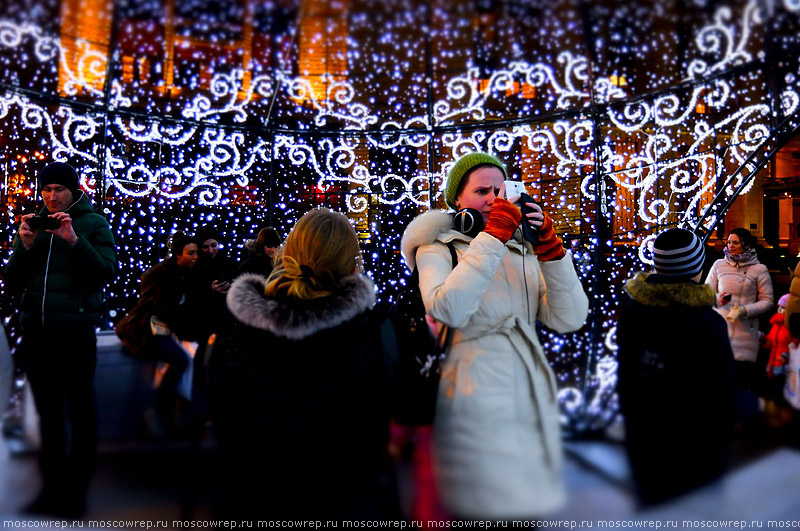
(663, 294)
(294, 318)
(250, 245)
(425, 229)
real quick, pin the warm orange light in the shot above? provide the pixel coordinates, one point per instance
(700, 108)
(513, 90)
(528, 91)
(619, 81)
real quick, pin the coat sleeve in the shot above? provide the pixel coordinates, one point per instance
(628, 352)
(452, 296)
(160, 287)
(563, 305)
(95, 253)
(722, 365)
(764, 298)
(793, 304)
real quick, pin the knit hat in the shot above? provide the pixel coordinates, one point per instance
(207, 232)
(461, 168)
(783, 300)
(60, 173)
(678, 253)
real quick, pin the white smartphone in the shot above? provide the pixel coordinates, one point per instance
(514, 189)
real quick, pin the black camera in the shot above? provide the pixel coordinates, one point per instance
(43, 223)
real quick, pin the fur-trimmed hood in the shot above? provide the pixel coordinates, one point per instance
(250, 245)
(427, 228)
(296, 318)
(663, 294)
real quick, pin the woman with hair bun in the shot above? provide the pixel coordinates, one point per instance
(300, 392)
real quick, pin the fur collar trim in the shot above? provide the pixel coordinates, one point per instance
(295, 318)
(686, 293)
(427, 228)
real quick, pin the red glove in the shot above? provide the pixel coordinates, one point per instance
(550, 245)
(503, 220)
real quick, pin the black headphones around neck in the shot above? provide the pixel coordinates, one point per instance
(468, 221)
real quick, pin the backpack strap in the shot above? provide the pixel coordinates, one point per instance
(453, 255)
(446, 333)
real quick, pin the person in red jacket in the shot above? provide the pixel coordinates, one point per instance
(777, 341)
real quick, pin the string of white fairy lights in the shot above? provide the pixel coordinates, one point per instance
(222, 155)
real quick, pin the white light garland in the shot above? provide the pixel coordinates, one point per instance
(662, 155)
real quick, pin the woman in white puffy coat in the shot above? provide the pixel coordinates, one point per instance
(744, 291)
(497, 440)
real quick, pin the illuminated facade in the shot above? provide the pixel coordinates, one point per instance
(621, 117)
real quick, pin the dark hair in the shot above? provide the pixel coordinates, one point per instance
(747, 239)
(472, 170)
(267, 237)
(179, 241)
(207, 232)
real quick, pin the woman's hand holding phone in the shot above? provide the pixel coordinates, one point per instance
(531, 211)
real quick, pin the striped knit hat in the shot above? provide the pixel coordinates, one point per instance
(678, 253)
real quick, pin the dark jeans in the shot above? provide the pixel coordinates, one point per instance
(165, 349)
(60, 363)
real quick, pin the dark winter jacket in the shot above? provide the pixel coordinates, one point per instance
(217, 268)
(676, 385)
(209, 270)
(69, 278)
(257, 263)
(301, 405)
(175, 295)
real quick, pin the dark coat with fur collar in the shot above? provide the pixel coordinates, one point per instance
(300, 404)
(676, 375)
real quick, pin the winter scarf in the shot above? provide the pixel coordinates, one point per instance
(748, 257)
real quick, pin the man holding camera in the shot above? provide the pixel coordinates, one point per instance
(61, 261)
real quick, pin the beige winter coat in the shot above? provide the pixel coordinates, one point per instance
(496, 433)
(750, 285)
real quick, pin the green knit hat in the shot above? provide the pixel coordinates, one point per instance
(463, 167)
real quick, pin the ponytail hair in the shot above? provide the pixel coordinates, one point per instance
(319, 252)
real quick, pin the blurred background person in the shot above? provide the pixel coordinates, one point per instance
(497, 439)
(173, 292)
(213, 264)
(262, 252)
(62, 272)
(300, 384)
(676, 373)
